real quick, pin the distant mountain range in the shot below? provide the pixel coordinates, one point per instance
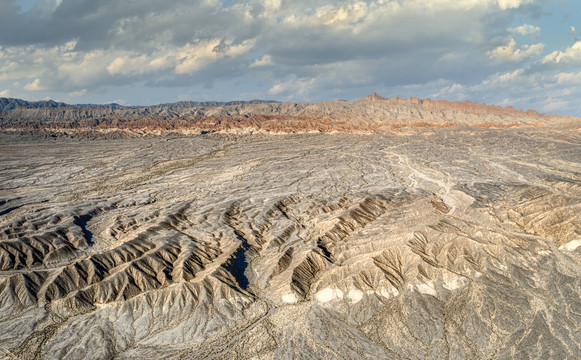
(9, 104)
(374, 113)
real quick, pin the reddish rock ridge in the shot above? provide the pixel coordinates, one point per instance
(466, 106)
(373, 113)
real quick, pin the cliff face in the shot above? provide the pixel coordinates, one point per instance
(374, 113)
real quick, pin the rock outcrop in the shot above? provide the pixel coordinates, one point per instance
(373, 114)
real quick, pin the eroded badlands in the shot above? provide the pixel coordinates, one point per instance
(458, 243)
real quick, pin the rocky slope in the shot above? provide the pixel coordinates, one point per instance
(371, 114)
(458, 242)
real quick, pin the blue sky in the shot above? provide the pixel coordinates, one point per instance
(524, 53)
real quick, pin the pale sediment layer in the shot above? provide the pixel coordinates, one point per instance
(458, 243)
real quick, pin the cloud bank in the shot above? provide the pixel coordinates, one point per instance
(493, 51)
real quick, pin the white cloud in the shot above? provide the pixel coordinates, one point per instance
(82, 70)
(186, 59)
(451, 92)
(192, 58)
(522, 88)
(512, 4)
(506, 102)
(552, 104)
(303, 50)
(23, 62)
(568, 78)
(45, 7)
(513, 82)
(526, 29)
(571, 55)
(118, 65)
(33, 86)
(125, 40)
(262, 61)
(272, 5)
(5, 93)
(346, 14)
(64, 68)
(499, 81)
(508, 77)
(76, 94)
(294, 88)
(511, 52)
(139, 64)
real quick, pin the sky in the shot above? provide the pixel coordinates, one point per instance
(524, 53)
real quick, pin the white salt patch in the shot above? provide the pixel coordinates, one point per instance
(424, 288)
(455, 283)
(328, 294)
(388, 292)
(571, 245)
(289, 299)
(355, 296)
